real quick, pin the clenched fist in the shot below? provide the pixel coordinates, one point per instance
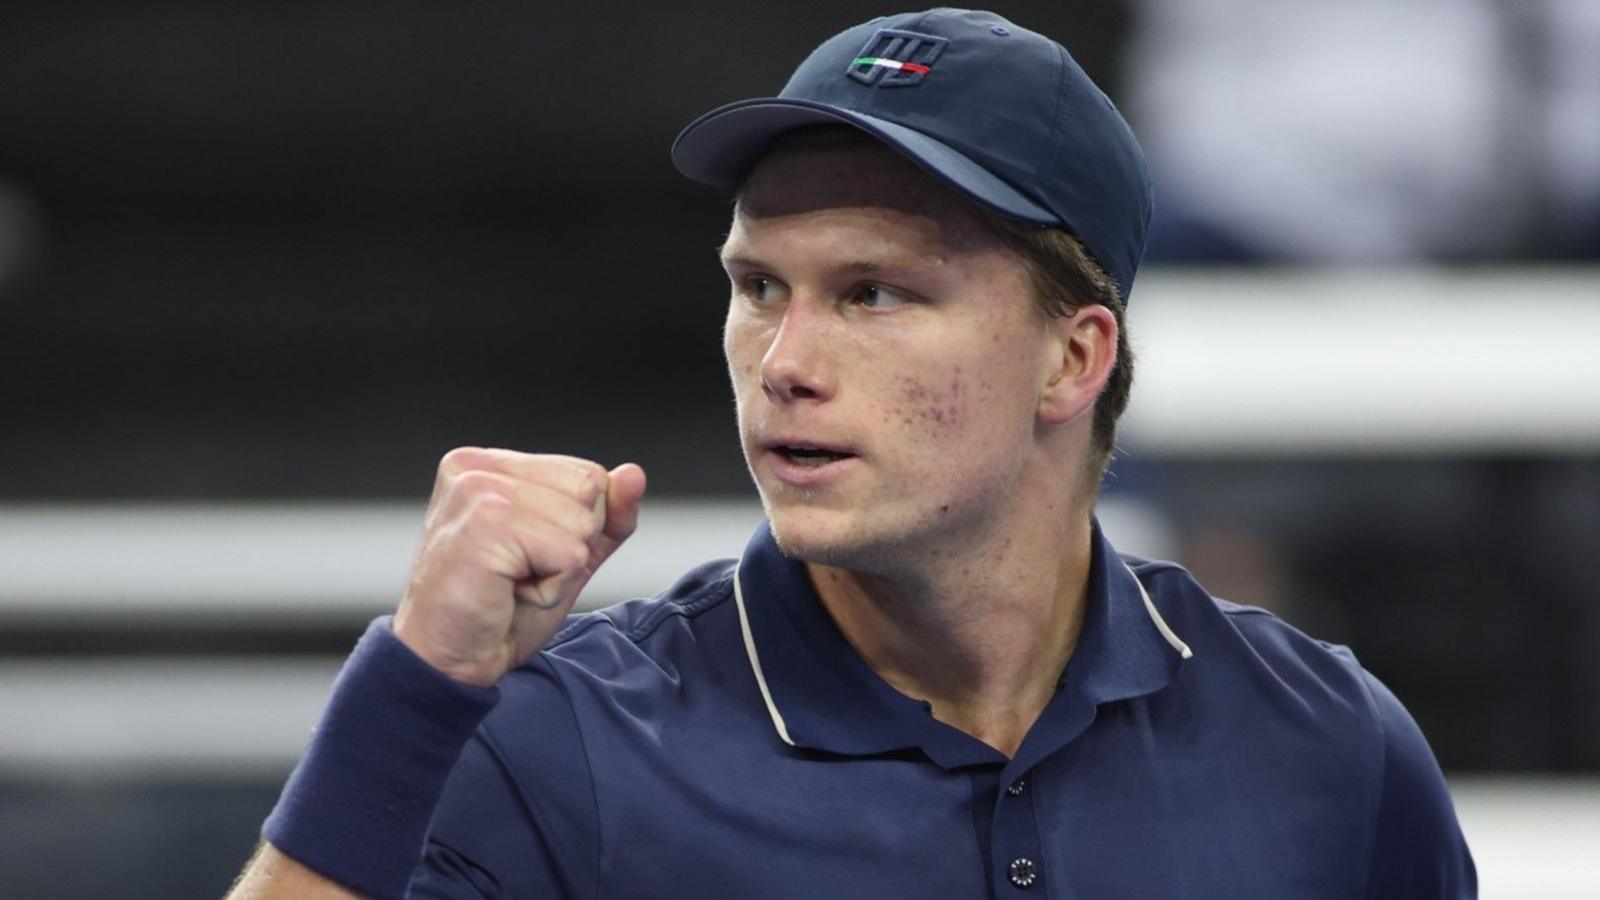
(509, 541)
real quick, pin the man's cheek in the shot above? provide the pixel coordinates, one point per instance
(933, 406)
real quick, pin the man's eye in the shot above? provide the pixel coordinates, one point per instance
(876, 296)
(760, 288)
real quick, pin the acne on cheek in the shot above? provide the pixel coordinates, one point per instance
(928, 407)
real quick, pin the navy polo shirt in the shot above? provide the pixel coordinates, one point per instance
(724, 740)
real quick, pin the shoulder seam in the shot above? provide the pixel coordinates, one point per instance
(491, 742)
(574, 628)
(714, 593)
(594, 787)
(1157, 567)
(1140, 564)
(434, 840)
(1376, 802)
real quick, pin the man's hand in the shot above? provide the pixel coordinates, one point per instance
(509, 541)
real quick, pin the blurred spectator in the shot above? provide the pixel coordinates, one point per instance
(1570, 126)
(1367, 131)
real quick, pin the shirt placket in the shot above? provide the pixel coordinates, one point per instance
(1016, 844)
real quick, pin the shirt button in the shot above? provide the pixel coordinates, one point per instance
(1023, 873)
(1017, 787)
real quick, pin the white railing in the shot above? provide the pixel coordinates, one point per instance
(1367, 361)
(244, 564)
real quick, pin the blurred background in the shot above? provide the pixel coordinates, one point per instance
(262, 264)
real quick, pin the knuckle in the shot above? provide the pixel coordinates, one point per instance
(578, 557)
(458, 459)
(585, 528)
(476, 482)
(486, 508)
(589, 482)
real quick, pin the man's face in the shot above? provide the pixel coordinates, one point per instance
(886, 358)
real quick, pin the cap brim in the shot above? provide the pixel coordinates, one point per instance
(720, 147)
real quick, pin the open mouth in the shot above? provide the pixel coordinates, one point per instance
(809, 456)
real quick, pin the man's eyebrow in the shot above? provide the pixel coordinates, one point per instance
(867, 265)
(864, 266)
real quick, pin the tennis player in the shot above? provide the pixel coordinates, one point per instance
(930, 673)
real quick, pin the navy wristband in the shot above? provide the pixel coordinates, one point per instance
(358, 805)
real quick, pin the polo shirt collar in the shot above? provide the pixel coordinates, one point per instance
(822, 695)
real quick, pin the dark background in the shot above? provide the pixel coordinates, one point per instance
(304, 248)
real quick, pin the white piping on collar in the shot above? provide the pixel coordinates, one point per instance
(755, 660)
(1161, 624)
(766, 693)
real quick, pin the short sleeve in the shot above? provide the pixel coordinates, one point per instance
(518, 815)
(1418, 850)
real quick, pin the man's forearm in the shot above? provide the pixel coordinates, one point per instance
(273, 875)
(357, 808)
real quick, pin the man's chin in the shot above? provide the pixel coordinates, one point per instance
(812, 537)
(832, 538)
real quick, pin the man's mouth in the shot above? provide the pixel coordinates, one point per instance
(808, 454)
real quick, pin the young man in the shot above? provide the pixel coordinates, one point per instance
(929, 674)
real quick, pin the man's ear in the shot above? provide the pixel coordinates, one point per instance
(1085, 348)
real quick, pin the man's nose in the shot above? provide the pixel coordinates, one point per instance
(797, 362)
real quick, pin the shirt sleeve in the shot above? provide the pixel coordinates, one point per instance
(518, 816)
(1418, 850)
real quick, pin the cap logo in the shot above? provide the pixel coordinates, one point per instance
(895, 58)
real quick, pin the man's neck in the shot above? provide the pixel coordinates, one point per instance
(983, 637)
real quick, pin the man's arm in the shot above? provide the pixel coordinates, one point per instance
(509, 541)
(270, 873)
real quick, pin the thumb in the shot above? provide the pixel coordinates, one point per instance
(623, 494)
(620, 505)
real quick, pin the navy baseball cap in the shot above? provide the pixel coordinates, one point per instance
(1002, 114)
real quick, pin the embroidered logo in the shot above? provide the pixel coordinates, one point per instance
(895, 58)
